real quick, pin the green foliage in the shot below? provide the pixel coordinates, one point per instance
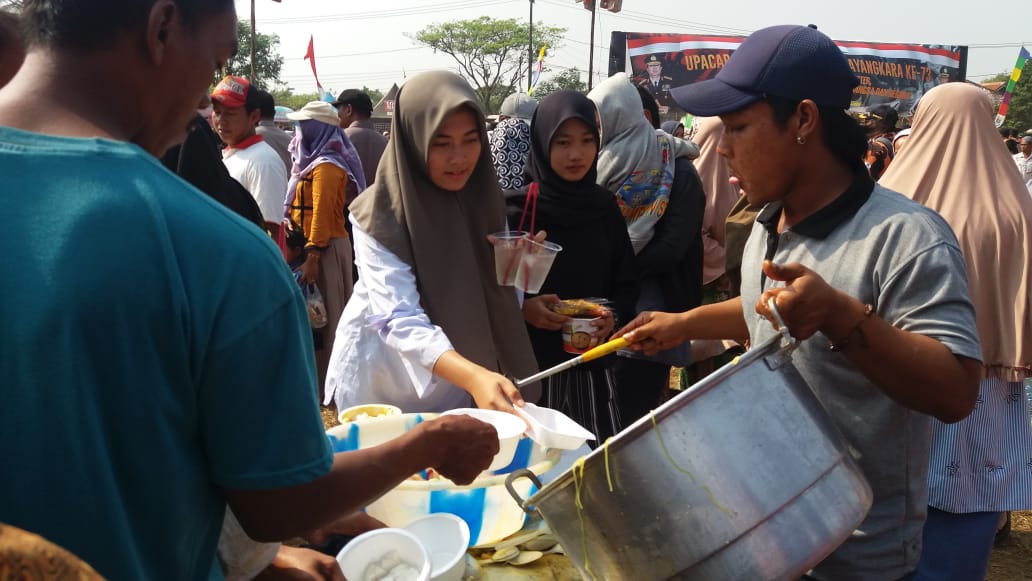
(492, 54)
(1019, 113)
(287, 99)
(375, 95)
(267, 59)
(569, 79)
(284, 96)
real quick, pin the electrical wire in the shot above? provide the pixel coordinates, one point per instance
(654, 19)
(414, 11)
(345, 55)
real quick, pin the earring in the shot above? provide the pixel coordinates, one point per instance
(800, 139)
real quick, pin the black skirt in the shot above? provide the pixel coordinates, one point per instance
(588, 396)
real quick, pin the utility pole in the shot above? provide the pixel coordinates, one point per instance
(254, 41)
(530, 50)
(591, 44)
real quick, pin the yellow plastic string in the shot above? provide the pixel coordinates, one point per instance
(605, 454)
(706, 489)
(578, 478)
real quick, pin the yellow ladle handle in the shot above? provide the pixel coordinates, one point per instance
(605, 349)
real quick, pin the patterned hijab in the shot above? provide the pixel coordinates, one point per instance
(637, 161)
(510, 146)
(442, 234)
(956, 164)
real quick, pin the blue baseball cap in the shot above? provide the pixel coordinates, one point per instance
(788, 61)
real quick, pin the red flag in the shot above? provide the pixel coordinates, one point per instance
(310, 56)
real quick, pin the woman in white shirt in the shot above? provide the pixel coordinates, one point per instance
(428, 328)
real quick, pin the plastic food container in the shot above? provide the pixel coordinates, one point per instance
(553, 429)
(577, 335)
(509, 427)
(370, 553)
(369, 411)
(445, 538)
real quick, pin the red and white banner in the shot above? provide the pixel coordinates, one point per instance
(890, 73)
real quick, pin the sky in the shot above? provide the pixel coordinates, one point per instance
(365, 44)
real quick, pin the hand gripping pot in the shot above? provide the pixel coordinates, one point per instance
(742, 476)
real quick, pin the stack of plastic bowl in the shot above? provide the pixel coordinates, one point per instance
(375, 554)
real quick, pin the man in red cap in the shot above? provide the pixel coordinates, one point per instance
(251, 161)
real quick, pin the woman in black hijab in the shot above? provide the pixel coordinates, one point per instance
(597, 259)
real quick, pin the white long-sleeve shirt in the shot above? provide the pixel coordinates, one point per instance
(386, 346)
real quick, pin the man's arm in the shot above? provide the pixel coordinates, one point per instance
(652, 332)
(459, 447)
(917, 371)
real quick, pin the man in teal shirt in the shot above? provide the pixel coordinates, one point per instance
(155, 363)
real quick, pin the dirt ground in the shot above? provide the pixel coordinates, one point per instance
(1011, 560)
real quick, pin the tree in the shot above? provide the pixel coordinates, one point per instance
(569, 79)
(286, 98)
(493, 54)
(375, 95)
(267, 60)
(1019, 112)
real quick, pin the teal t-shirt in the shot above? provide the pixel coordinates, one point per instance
(155, 349)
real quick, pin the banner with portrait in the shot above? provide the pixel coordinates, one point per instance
(890, 73)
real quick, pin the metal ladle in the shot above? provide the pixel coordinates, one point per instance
(589, 355)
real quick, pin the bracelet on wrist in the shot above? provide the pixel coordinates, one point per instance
(841, 345)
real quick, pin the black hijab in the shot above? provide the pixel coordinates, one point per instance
(560, 200)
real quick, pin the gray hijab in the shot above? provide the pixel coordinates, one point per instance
(629, 142)
(442, 234)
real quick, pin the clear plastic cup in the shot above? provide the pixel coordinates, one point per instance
(537, 261)
(508, 249)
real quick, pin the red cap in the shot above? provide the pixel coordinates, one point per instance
(231, 91)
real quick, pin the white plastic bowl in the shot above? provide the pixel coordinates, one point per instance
(368, 412)
(552, 428)
(371, 547)
(509, 427)
(445, 538)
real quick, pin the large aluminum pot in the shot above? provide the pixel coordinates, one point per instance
(742, 476)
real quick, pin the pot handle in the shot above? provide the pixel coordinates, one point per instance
(513, 477)
(788, 342)
(782, 327)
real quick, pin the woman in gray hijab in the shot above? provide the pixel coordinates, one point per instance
(428, 328)
(661, 198)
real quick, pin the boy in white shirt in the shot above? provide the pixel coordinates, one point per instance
(251, 161)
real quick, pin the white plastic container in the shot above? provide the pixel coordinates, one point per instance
(509, 427)
(373, 551)
(553, 429)
(445, 538)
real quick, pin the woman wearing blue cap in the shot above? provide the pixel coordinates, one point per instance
(873, 280)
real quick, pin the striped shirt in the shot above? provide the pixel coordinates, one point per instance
(984, 462)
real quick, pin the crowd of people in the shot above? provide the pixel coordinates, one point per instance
(170, 425)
